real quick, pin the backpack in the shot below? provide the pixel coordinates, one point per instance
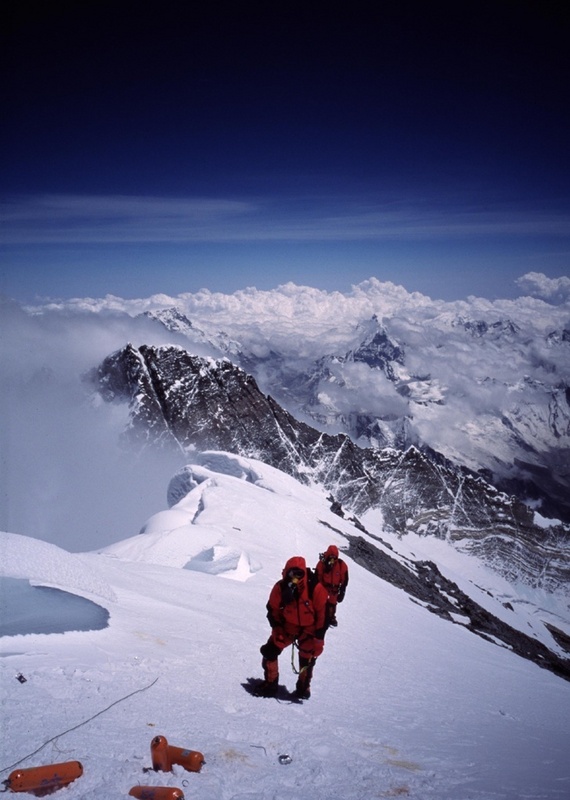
(312, 581)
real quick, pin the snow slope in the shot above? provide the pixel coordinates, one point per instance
(404, 703)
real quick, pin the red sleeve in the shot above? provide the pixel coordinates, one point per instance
(274, 604)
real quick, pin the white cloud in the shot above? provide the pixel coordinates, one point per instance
(553, 290)
(40, 219)
(63, 474)
(116, 218)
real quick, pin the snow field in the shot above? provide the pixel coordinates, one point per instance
(403, 704)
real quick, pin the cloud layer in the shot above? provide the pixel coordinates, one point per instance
(53, 218)
(60, 454)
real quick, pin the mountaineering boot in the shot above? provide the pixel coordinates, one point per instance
(302, 690)
(303, 687)
(268, 688)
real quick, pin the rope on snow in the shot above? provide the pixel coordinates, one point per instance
(75, 727)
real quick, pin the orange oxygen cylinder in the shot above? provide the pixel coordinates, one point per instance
(164, 755)
(156, 793)
(159, 754)
(50, 777)
(191, 760)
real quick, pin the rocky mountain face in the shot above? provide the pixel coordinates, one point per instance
(454, 384)
(178, 399)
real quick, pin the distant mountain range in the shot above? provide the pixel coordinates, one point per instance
(491, 395)
(438, 419)
(195, 403)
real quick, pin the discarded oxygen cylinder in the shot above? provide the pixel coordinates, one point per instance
(165, 755)
(191, 760)
(50, 777)
(156, 793)
(159, 754)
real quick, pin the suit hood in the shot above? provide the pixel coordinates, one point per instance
(296, 562)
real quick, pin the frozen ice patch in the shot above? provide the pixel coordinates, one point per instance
(41, 609)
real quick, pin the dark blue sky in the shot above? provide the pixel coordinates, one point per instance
(162, 147)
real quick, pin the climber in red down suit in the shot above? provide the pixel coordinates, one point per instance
(296, 613)
(332, 573)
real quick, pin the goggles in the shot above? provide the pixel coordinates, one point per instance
(295, 575)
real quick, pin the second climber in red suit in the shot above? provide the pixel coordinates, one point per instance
(296, 614)
(332, 573)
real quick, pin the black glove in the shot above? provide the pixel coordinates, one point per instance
(270, 650)
(320, 634)
(271, 619)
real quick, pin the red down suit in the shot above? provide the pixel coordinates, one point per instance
(294, 613)
(332, 572)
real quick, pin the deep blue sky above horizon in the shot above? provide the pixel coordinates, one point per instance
(165, 147)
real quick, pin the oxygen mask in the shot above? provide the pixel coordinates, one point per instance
(295, 575)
